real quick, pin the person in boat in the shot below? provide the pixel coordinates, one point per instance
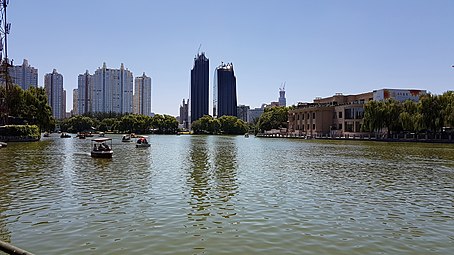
(142, 140)
(104, 147)
(94, 147)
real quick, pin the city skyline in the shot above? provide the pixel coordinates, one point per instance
(317, 48)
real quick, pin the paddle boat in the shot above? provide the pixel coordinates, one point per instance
(142, 142)
(101, 149)
(65, 135)
(126, 138)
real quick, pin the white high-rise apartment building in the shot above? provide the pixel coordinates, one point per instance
(84, 93)
(107, 90)
(64, 105)
(53, 83)
(142, 95)
(75, 102)
(24, 75)
(112, 90)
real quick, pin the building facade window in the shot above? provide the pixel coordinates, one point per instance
(349, 114)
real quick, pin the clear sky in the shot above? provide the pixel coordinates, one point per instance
(317, 47)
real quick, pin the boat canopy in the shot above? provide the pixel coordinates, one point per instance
(102, 139)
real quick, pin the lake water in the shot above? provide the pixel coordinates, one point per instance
(228, 195)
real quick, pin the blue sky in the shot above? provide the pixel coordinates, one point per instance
(317, 47)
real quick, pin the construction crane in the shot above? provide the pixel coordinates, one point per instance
(198, 50)
(282, 88)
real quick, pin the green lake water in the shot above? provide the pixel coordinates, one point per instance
(228, 195)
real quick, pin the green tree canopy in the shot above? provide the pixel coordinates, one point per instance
(431, 113)
(29, 105)
(448, 99)
(106, 124)
(78, 123)
(232, 125)
(206, 125)
(164, 124)
(273, 118)
(373, 116)
(133, 123)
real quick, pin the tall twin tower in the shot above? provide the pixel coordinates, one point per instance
(224, 89)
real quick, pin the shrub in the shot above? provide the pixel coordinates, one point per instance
(20, 130)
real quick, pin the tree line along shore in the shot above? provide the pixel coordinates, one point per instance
(432, 114)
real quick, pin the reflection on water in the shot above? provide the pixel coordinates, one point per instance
(221, 194)
(199, 175)
(212, 182)
(225, 176)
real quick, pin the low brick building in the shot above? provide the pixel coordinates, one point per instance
(340, 114)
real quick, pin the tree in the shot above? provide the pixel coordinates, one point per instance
(106, 124)
(14, 100)
(78, 123)
(37, 110)
(431, 113)
(30, 106)
(273, 118)
(164, 124)
(133, 123)
(373, 120)
(104, 115)
(431, 109)
(206, 125)
(391, 112)
(448, 99)
(409, 117)
(232, 125)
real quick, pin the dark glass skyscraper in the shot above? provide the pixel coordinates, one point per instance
(224, 94)
(199, 87)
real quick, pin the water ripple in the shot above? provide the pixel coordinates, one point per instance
(221, 194)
